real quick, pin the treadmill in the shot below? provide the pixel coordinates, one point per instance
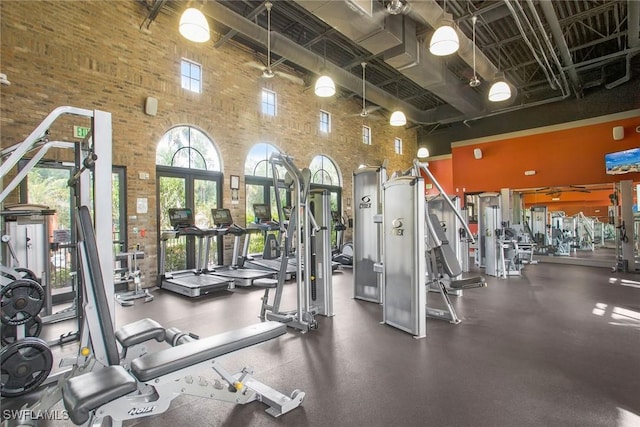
(240, 275)
(192, 282)
(263, 225)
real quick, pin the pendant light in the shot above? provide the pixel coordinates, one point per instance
(423, 152)
(194, 26)
(397, 118)
(500, 90)
(475, 81)
(324, 85)
(445, 40)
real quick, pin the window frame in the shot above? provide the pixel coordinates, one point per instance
(397, 143)
(324, 123)
(264, 104)
(190, 77)
(366, 135)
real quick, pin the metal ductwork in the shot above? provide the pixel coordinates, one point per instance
(297, 54)
(369, 24)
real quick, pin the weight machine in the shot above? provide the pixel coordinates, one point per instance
(409, 229)
(307, 238)
(22, 300)
(367, 232)
(114, 377)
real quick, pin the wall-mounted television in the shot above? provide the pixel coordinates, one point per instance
(626, 161)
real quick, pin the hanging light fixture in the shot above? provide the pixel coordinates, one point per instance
(324, 85)
(194, 26)
(445, 40)
(398, 119)
(423, 152)
(500, 90)
(475, 81)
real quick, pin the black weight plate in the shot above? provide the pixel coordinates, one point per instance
(33, 328)
(21, 300)
(24, 365)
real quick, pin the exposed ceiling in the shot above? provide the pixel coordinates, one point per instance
(550, 51)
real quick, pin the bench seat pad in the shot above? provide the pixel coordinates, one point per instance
(469, 283)
(140, 331)
(154, 365)
(86, 392)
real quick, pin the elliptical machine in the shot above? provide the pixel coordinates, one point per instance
(343, 253)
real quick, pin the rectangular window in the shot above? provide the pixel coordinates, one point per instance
(325, 122)
(398, 145)
(366, 135)
(268, 102)
(191, 76)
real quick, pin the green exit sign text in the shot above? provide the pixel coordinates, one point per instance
(80, 131)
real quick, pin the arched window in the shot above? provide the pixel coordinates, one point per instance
(324, 171)
(187, 147)
(257, 163)
(325, 175)
(188, 172)
(259, 187)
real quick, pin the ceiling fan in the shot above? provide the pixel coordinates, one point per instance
(366, 112)
(569, 189)
(267, 70)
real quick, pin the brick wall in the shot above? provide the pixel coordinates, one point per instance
(95, 55)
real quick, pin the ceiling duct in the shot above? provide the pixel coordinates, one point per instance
(365, 22)
(401, 49)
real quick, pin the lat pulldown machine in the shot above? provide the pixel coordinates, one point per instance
(306, 237)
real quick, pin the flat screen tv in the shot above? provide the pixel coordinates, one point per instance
(620, 162)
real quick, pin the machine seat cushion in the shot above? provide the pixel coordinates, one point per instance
(140, 331)
(469, 283)
(153, 365)
(86, 392)
(265, 283)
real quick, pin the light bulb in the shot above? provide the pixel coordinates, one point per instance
(398, 119)
(325, 87)
(194, 26)
(444, 41)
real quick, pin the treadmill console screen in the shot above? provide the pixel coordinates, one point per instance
(262, 213)
(222, 217)
(180, 217)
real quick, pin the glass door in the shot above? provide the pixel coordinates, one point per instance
(201, 193)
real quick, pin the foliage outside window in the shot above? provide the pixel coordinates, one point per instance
(187, 147)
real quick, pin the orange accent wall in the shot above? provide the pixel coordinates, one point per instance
(442, 170)
(560, 158)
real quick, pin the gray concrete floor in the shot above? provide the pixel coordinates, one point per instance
(559, 346)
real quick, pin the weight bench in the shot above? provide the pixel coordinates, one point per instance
(448, 263)
(157, 378)
(135, 384)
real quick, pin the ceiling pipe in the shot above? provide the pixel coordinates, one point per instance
(297, 54)
(633, 36)
(558, 37)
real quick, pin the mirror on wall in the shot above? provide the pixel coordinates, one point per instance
(578, 221)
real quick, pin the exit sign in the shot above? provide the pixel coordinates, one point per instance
(80, 131)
